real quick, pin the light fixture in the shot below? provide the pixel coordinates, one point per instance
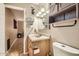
(44, 14)
(42, 10)
(39, 12)
(41, 15)
(47, 11)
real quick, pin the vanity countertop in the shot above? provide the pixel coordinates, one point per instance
(36, 37)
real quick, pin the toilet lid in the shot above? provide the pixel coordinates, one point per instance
(66, 48)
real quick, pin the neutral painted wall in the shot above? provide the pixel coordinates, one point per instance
(10, 31)
(2, 29)
(20, 26)
(66, 35)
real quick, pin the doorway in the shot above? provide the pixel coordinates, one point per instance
(14, 32)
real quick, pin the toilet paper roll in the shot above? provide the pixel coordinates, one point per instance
(36, 51)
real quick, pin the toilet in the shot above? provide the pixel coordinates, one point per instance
(60, 49)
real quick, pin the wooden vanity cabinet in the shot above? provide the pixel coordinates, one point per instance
(42, 45)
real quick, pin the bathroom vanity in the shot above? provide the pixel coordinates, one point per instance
(38, 45)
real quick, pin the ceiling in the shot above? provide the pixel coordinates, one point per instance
(28, 6)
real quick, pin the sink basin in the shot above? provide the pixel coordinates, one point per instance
(36, 37)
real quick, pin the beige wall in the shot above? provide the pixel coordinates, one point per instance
(10, 31)
(20, 26)
(2, 29)
(66, 35)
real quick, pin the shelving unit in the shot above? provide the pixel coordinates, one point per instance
(63, 11)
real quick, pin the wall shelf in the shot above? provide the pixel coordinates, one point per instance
(65, 9)
(67, 12)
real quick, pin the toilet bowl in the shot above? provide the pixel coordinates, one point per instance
(60, 49)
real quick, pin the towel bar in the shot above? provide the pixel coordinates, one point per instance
(65, 25)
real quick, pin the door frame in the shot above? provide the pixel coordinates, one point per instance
(24, 40)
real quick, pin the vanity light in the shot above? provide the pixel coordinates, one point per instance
(42, 10)
(41, 15)
(39, 12)
(47, 11)
(44, 14)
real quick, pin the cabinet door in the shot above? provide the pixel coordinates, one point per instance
(70, 15)
(53, 9)
(59, 18)
(64, 5)
(30, 49)
(44, 46)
